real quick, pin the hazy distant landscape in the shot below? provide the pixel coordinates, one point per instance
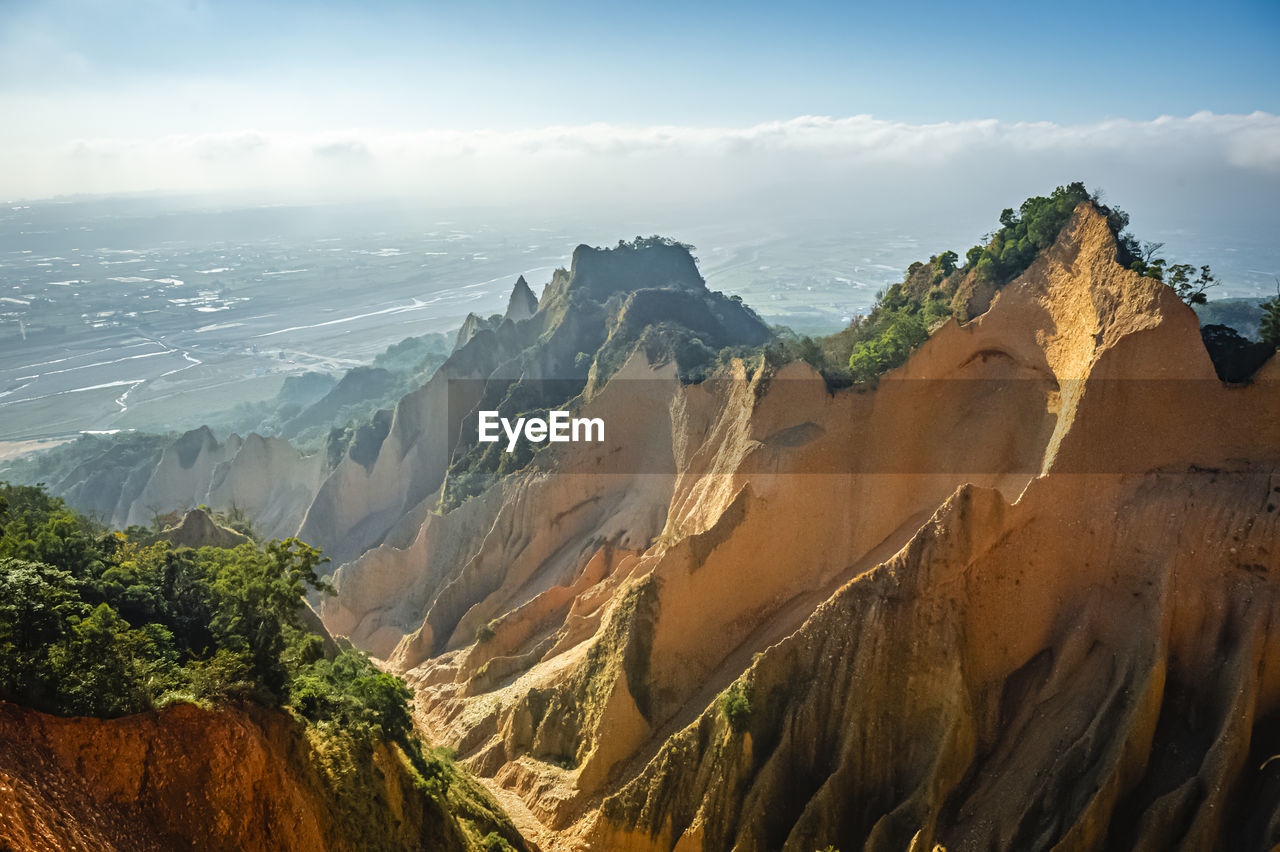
(151, 314)
(115, 319)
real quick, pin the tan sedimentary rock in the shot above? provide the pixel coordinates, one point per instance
(382, 498)
(197, 529)
(265, 478)
(187, 778)
(270, 481)
(980, 595)
(183, 473)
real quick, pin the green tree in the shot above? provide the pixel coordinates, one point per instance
(1191, 290)
(105, 668)
(105, 626)
(943, 265)
(888, 350)
(259, 594)
(735, 704)
(1026, 232)
(353, 693)
(1269, 329)
(947, 262)
(38, 607)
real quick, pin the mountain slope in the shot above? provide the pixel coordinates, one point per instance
(996, 568)
(580, 318)
(1017, 592)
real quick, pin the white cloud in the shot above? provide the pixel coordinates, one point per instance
(804, 160)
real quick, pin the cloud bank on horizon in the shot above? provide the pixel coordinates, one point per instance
(657, 106)
(804, 161)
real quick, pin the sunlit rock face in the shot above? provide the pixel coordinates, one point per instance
(1019, 595)
(187, 777)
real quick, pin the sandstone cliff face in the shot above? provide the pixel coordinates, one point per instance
(267, 478)
(1084, 668)
(969, 606)
(384, 499)
(362, 499)
(186, 778)
(271, 481)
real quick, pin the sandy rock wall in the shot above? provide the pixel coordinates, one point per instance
(187, 778)
(363, 500)
(993, 538)
(267, 478)
(1086, 667)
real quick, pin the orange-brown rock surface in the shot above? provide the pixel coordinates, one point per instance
(187, 778)
(1019, 596)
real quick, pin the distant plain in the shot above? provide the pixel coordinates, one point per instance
(138, 314)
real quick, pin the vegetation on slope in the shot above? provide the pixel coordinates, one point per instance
(102, 623)
(905, 314)
(1269, 327)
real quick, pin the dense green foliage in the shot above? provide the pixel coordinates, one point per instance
(1269, 327)
(905, 314)
(94, 622)
(655, 241)
(1029, 231)
(735, 704)
(896, 325)
(101, 623)
(495, 842)
(354, 694)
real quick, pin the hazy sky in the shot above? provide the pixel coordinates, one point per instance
(513, 101)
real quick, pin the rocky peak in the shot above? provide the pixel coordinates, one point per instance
(471, 326)
(642, 263)
(522, 303)
(190, 444)
(198, 529)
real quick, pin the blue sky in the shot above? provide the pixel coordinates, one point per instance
(112, 95)
(506, 64)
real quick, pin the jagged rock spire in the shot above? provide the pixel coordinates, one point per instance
(522, 303)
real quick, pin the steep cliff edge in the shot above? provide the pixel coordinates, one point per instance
(588, 321)
(142, 477)
(195, 779)
(1087, 667)
(962, 608)
(522, 304)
